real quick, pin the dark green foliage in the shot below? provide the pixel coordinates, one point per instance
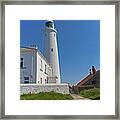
(46, 96)
(93, 94)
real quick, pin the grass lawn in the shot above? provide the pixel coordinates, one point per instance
(93, 94)
(46, 96)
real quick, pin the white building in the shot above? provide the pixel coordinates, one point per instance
(39, 69)
(34, 67)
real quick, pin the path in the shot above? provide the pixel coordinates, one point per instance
(77, 97)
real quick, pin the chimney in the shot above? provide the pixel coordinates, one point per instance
(93, 70)
(90, 71)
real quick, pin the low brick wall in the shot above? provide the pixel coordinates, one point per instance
(34, 88)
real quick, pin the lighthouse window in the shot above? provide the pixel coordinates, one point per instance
(21, 63)
(52, 49)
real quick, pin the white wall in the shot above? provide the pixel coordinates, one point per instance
(33, 68)
(29, 68)
(41, 69)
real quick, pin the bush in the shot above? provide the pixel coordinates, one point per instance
(93, 94)
(46, 96)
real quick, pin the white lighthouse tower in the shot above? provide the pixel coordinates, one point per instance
(51, 49)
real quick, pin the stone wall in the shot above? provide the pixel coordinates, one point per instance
(33, 88)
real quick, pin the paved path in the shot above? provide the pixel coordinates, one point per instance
(77, 97)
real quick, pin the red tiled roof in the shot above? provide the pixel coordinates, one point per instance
(84, 80)
(87, 78)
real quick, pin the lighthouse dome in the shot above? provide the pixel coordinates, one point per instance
(49, 23)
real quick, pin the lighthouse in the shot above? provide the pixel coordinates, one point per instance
(51, 49)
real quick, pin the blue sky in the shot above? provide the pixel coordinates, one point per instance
(78, 44)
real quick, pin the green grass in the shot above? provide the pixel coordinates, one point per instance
(93, 94)
(46, 96)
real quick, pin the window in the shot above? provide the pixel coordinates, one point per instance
(41, 64)
(41, 80)
(93, 82)
(45, 69)
(21, 62)
(26, 80)
(52, 49)
(45, 81)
